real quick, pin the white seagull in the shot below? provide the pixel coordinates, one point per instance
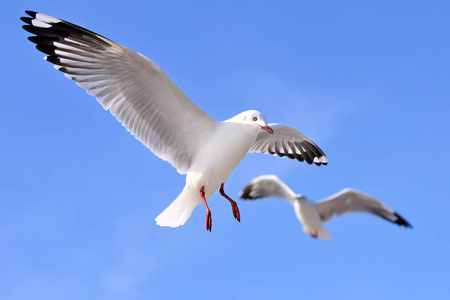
(154, 110)
(312, 215)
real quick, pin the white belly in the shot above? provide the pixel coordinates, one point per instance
(217, 159)
(308, 215)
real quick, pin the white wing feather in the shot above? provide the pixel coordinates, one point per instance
(132, 87)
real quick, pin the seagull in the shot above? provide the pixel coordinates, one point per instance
(155, 111)
(312, 215)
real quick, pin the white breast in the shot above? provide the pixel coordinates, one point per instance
(215, 161)
(307, 214)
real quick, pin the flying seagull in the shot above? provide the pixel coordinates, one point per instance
(154, 110)
(312, 215)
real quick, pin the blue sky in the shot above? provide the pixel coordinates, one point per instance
(367, 81)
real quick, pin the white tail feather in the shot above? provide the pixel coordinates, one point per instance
(323, 234)
(179, 211)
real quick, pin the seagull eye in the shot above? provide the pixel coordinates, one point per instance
(255, 119)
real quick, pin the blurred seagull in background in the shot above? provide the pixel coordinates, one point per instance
(312, 215)
(154, 110)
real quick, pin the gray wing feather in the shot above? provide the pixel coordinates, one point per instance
(349, 200)
(132, 87)
(288, 141)
(267, 186)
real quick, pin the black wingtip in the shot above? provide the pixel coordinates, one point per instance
(47, 49)
(31, 13)
(245, 194)
(39, 40)
(54, 60)
(401, 221)
(26, 20)
(300, 158)
(32, 29)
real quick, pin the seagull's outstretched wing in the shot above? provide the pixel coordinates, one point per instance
(288, 141)
(349, 200)
(267, 186)
(132, 87)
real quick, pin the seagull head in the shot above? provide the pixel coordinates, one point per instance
(301, 198)
(253, 117)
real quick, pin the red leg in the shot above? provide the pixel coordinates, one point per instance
(208, 212)
(234, 206)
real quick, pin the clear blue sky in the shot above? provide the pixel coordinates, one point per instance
(367, 81)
